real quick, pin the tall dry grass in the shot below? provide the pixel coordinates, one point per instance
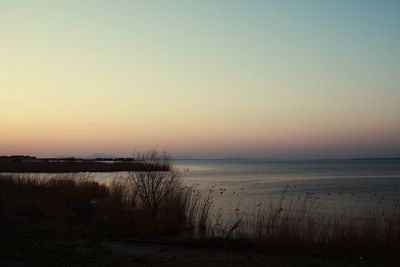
(287, 223)
(77, 199)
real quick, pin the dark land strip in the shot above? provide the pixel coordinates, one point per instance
(76, 166)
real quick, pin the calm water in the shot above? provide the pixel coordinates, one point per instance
(336, 185)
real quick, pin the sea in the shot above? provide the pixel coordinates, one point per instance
(335, 186)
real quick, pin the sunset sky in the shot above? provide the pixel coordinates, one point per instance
(286, 79)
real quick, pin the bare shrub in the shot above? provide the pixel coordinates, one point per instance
(172, 204)
(155, 187)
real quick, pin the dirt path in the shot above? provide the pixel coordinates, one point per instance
(140, 249)
(179, 255)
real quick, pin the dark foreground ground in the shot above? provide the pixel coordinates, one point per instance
(25, 242)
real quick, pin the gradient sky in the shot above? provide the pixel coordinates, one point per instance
(203, 78)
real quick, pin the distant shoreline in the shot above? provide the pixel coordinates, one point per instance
(395, 158)
(285, 159)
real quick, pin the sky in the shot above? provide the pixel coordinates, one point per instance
(280, 79)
